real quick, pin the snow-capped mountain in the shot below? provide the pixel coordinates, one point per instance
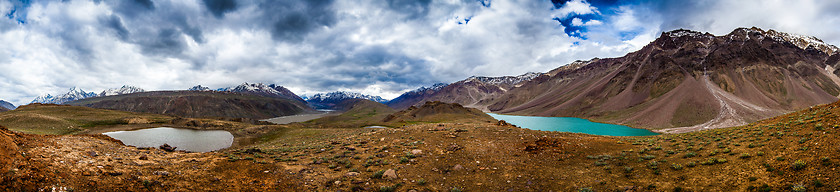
(342, 95)
(803, 41)
(333, 99)
(72, 95)
(505, 80)
(199, 88)
(435, 87)
(270, 90)
(415, 96)
(6, 105)
(125, 89)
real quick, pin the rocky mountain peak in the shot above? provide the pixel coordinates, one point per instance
(125, 89)
(342, 95)
(72, 95)
(505, 80)
(679, 33)
(199, 88)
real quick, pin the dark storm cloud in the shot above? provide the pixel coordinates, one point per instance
(293, 20)
(359, 68)
(183, 23)
(412, 9)
(132, 8)
(115, 23)
(219, 7)
(167, 42)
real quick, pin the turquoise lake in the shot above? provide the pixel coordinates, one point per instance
(571, 124)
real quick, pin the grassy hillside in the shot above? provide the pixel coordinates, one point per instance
(62, 119)
(360, 113)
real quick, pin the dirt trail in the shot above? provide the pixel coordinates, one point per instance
(728, 116)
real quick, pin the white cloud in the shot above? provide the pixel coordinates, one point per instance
(361, 46)
(577, 7)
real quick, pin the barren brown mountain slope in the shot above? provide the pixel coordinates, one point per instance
(436, 111)
(687, 80)
(474, 92)
(199, 104)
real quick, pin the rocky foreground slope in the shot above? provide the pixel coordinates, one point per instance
(797, 151)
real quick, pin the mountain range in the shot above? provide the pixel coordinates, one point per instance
(333, 99)
(683, 81)
(270, 90)
(72, 95)
(475, 91)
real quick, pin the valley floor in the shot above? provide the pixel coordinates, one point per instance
(795, 151)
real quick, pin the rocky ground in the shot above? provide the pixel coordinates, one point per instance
(792, 152)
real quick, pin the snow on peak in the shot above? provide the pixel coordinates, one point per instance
(435, 87)
(254, 87)
(342, 95)
(199, 88)
(7, 105)
(72, 95)
(271, 90)
(803, 41)
(684, 32)
(125, 89)
(505, 80)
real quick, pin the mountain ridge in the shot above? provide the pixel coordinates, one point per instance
(333, 99)
(687, 80)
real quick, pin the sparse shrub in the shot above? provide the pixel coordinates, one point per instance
(799, 188)
(760, 153)
(648, 157)
(689, 155)
(799, 165)
(676, 166)
(653, 165)
(744, 155)
(387, 188)
(455, 189)
(586, 189)
(780, 158)
(803, 140)
(421, 182)
(691, 164)
(378, 174)
(403, 160)
(628, 169)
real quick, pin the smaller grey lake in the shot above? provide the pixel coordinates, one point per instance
(183, 139)
(571, 124)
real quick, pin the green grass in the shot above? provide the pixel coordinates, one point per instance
(63, 120)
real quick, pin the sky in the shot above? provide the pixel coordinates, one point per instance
(375, 47)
